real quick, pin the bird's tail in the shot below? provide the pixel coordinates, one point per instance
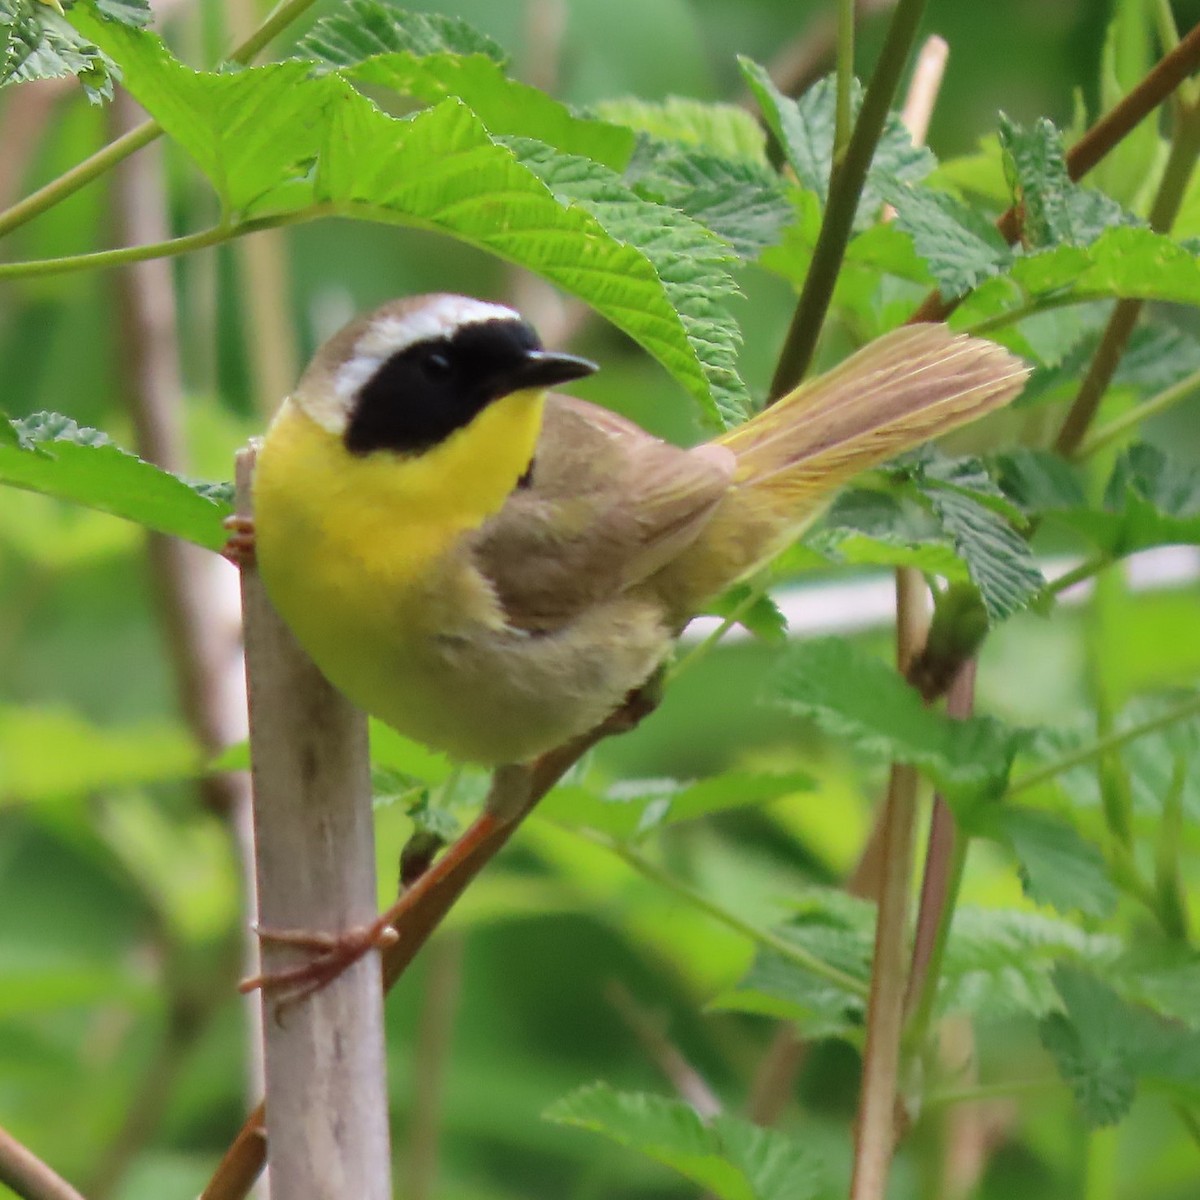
(908, 386)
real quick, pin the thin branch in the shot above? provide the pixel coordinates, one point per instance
(809, 56)
(28, 1176)
(845, 189)
(791, 951)
(844, 78)
(875, 1132)
(1098, 439)
(691, 1087)
(433, 897)
(1103, 746)
(1181, 161)
(944, 861)
(1098, 141)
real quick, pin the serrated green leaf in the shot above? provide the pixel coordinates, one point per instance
(432, 57)
(722, 130)
(49, 754)
(1126, 262)
(1039, 482)
(998, 559)
(64, 460)
(38, 42)
(958, 245)
(804, 129)
(1000, 963)
(864, 527)
(839, 930)
(974, 513)
(853, 695)
(740, 200)
(1054, 209)
(363, 28)
(763, 618)
(1058, 867)
(688, 260)
(1150, 500)
(274, 141)
(730, 1158)
(1105, 1047)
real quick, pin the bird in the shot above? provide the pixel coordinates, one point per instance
(492, 567)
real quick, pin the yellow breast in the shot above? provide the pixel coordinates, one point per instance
(361, 555)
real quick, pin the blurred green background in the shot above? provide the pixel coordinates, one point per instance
(122, 1043)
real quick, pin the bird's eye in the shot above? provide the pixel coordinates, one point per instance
(435, 363)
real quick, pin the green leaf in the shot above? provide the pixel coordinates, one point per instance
(361, 29)
(762, 618)
(1039, 482)
(839, 930)
(958, 245)
(1151, 499)
(505, 106)
(864, 527)
(974, 513)
(850, 694)
(64, 460)
(50, 754)
(1058, 867)
(724, 131)
(1105, 1047)
(276, 141)
(1000, 963)
(432, 57)
(804, 129)
(1128, 171)
(688, 260)
(635, 807)
(730, 1158)
(742, 201)
(1125, 262)
(1054, 209)
(37, 42)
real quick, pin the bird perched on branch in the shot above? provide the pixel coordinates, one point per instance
(490, 567)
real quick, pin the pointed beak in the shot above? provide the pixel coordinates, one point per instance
(544, 369)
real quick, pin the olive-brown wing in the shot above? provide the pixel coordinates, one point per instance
(604, 506)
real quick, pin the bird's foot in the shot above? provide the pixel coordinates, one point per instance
(330, 954)
(239, 548)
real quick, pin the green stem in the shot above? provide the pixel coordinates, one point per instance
(1104, 745)
(763, 937)
(698, 653)
(100, 259)
(1032, 309)
(844, 117)
(1166, 399)
(71, 181)
(121, 148)
(1190, 1121)
(845, 189)
(1077, 574)
(1170, 905)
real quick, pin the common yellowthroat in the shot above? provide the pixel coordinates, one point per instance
(491, 568)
